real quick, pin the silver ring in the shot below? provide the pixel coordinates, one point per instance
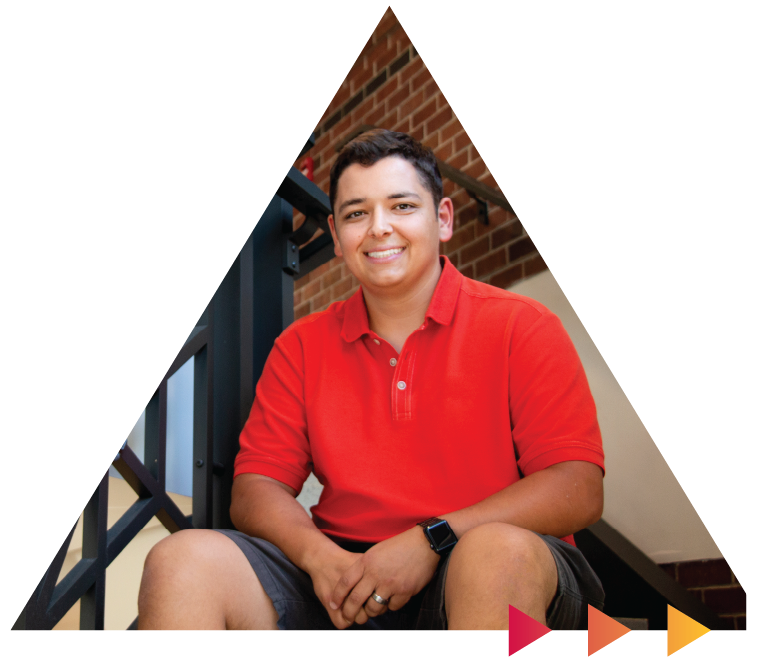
(378, 599)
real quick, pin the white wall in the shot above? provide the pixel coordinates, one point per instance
(683, 368)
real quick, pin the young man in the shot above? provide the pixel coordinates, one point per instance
(450, 423)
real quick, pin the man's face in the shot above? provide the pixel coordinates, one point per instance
(387, 228)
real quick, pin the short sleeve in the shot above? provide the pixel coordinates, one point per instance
(274, 441)
(553, 415)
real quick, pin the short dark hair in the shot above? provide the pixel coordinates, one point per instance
(371, 146)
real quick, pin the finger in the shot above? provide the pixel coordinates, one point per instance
(398, 601)
(356, 601)
(362, 617)
(346, 583)
(373, 608)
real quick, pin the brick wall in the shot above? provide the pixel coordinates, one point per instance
(712, 582)
(390, 87)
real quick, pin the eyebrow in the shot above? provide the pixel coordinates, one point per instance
(393, 196)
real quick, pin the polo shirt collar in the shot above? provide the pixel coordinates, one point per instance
(441, 308)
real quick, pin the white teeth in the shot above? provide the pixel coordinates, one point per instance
(391, 251)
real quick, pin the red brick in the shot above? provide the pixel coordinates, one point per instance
(507, 277)
(342, 287)
(388, 121)
(459, 160)
(302, 310)
(460, 198)
(475, 169)
(454, 128)
(488, 180)
(420, 79)
(474, 250)
(362, 109)
(360, 78)
(520, 250)
(402, 94)
(417, 133)
(443, 152)
(424, 113)
(331, 277)
(401, 39)
(322, 299)
(439, 119)
(403, 126)
(712, 572)
(411, 69)
(368, 46)
(375, 115)
(319, 271)
(311, 290)
(461, 237)
(388, 89)
(467, 271)
(468, 214)
(411, 104)
(533, 265)
(461, 140)
(454, 258)
(385, 25)
(383, 54)
(490, 263)
(301, 282)
(297, 298)
(431, 140)
(448, 187)
(432, 91)
(343, 125)
(340, 97)
(506, 233)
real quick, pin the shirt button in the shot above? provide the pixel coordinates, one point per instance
(376, 341)
(401, 386)
(392, 362)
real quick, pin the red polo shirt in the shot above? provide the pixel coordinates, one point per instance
(488, 389)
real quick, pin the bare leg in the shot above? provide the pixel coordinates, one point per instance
(200, 580)
(493, 566)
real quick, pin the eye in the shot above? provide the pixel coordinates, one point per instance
(353, 214)
(404, 206)
(401, 204)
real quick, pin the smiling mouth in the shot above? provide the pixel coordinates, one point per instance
(391, 255)
(386, 253)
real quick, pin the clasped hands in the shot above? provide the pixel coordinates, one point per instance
(396, 569)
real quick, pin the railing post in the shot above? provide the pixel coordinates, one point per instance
(95, 542)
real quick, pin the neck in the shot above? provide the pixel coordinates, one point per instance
(405, 311)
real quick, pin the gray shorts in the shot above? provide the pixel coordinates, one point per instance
(298, 607)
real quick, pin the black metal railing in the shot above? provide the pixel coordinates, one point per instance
(229, 345)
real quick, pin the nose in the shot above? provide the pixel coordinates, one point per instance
(381, 223)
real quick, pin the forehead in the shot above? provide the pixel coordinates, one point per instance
(382, 179)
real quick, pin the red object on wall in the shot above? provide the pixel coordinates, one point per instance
(307, 167)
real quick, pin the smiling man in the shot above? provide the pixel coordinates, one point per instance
(450, 423)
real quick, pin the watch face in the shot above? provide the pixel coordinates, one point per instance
(441, 535)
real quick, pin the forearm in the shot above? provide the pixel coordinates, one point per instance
(266, 508)
(558, 501)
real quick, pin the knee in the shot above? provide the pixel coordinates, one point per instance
(176, 559)
(498, 542)
(497, 551)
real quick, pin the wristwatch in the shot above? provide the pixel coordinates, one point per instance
(439, 534)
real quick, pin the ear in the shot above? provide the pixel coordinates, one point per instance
(338, 251)
(445, 219)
